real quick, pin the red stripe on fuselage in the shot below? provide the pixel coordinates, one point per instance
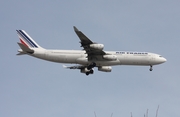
(23, 42)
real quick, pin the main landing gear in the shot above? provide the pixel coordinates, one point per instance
(90, 68)
(92, 65)
(90, 72)
(151, 68)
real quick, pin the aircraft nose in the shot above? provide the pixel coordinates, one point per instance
(160, 60)
(163, 60)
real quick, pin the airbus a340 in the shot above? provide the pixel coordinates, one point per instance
(92, 55)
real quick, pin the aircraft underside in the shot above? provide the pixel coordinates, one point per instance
(93, 55)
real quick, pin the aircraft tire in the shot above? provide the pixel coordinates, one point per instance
(91, 71)
(151, 68)
(87, 73)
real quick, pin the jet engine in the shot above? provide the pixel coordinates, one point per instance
(86, 71)
(105, 68)
(97, 46)
(110, 57)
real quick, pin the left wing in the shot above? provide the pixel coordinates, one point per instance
(90, 47)
(83, 69)
(75, 67)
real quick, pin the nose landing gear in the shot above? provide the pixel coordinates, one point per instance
(151, 68)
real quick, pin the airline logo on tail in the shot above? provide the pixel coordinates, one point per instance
(26, 40)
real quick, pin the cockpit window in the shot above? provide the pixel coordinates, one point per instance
(160, 56)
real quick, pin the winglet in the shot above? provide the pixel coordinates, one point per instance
(75, 29)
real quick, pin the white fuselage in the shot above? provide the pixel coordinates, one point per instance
(80, 57)
(92, 55)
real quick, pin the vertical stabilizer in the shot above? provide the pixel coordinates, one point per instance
(26, 40)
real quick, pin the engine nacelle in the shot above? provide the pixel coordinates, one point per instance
(97, 46)
(105, 68)
(110, 57)
(85, 70)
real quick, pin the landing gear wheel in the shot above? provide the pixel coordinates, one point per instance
(87, 73)
(91, 71)
(151, 68)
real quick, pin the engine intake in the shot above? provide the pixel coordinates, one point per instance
(85, 70)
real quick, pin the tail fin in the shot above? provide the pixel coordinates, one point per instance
(26, 40)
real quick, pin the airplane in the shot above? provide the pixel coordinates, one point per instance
(92, 55)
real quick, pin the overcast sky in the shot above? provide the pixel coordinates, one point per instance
(31, 87)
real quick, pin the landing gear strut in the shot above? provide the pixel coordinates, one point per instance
(151, 68)
(91, 65)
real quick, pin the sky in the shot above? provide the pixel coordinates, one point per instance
(31, 87)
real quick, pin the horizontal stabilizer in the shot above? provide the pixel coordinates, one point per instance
(25, 49)
(65, 66)
(21, 53)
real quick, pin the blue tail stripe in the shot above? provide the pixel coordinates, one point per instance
(24, 38)
(27, 38)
